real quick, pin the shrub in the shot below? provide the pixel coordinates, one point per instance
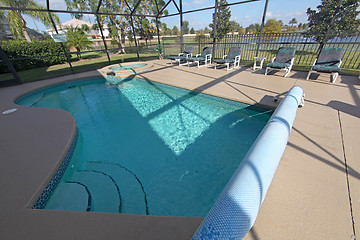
(21, 49)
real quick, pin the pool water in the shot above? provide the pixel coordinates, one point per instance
(148, 148)
(129, 66)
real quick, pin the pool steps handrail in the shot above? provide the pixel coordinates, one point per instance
(236, 209)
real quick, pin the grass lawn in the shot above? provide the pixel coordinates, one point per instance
(89, 61)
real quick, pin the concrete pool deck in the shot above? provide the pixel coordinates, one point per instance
(315, 193)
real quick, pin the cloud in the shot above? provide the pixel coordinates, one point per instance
(300, 16)
(269, 14)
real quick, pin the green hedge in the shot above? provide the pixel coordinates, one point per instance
(19, 49)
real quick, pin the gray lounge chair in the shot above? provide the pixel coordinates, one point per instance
(284, 60)
(180, 58)
(233, 57)
(329, 61)
(204, 57)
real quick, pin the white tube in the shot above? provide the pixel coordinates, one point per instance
(235, 210)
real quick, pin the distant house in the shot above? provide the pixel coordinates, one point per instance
(62, 28)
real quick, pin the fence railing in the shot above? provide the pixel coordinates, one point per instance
(306, 47)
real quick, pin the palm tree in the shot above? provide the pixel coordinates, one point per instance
(293, 22)
(75, 37)
(16, 21)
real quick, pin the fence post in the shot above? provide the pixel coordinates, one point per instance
(199, 45)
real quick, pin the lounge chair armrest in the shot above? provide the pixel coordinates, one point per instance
(292, 61)
(237, 58)
(180, 54)
(197, 55)
(314, 62)
(340, 63)
(273, 59)
(189, 55)
(224, 56)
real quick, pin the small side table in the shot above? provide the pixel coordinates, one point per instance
(261, 63)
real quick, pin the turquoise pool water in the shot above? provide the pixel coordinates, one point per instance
(148, 148)
(129, 66)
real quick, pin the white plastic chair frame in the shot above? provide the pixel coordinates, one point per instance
(236, 63)
(207, 61)
(333, 75)
(179, 60)
(287, 69)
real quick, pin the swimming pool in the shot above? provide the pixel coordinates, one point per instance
(148, 148)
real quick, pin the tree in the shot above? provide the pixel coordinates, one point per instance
(175, 31)
(16, 21)
(300, 26)
(145, 27)
(192, 31)
(75, 37)
(253, 28)
(200, 36)
(130, 36)
(223, 25)
(272, 26)
(168, 31)
(292, 23)
(206, 30)
(339, 16)
(235, 27)
(186, 27)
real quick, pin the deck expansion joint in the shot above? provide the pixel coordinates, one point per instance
(347, 175)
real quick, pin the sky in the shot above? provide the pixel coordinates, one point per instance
(245, 14)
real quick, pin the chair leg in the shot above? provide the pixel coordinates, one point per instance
(227, 66)
(334, 76)
(215, 66)
(287, 71)
(308, 76)
(266, 71)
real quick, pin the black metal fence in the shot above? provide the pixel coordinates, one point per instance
(306, 47)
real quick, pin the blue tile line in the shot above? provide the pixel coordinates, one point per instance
(45, 195)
